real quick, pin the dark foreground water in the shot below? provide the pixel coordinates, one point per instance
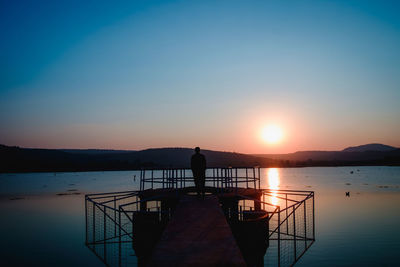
(42, 219)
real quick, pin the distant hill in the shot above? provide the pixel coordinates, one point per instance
(95, 151)
(369, 147)
(372, 153)
(16, 159)
(337, 156)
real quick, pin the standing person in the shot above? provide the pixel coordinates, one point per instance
(198, 165)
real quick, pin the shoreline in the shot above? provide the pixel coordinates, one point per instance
(188, 168)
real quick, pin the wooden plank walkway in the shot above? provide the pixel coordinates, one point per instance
(197, 235)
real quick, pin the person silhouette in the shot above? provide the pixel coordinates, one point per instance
(198, 166)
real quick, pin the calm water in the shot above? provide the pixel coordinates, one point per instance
(43, 221)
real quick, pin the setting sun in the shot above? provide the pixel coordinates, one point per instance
(272, 134)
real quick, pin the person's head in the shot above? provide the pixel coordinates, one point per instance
(197, 149)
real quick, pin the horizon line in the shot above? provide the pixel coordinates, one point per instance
(204, 149)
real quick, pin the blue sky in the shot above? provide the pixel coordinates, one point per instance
(138, 74)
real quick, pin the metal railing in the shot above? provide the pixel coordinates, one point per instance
(291, 223)
(108, 228)
(110, 217)
(220, 178)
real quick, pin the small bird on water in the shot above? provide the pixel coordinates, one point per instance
(347, 194)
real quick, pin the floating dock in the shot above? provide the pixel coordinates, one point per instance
(165, 224)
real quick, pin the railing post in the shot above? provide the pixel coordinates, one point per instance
(231, 176)
(218, 185)
(254, 178)
(167, 174)
(115, 216)
(144, 178)
(223, 176)
(163, 179)
(305, 225)
(119, 238)
(86, 222)
(213, 170)
(94, 224)
(169, 177)
(171, 174)
(236, 174)
(105, 232)
(176, 178)
(181, 176)
(279, 237)
(294, 233)
(140, 182)
(221, 179)
(227, 183)
(313, 213)
(152, 178)
(173, 178)
(247, 179)
(287, 220)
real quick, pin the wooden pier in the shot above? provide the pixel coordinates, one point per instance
(165, 224)
(197, 235)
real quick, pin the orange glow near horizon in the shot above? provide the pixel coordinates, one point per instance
(273, 183)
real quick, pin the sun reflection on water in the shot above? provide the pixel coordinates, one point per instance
(273, 183)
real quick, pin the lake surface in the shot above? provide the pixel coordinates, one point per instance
(43, 217)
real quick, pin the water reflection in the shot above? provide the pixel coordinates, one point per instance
(273, 183)
(342, 223)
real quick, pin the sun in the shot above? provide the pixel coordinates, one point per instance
(272, 134)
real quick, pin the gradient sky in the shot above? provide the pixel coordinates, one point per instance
(140, 74)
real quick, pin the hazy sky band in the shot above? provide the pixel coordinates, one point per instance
(144, 74)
